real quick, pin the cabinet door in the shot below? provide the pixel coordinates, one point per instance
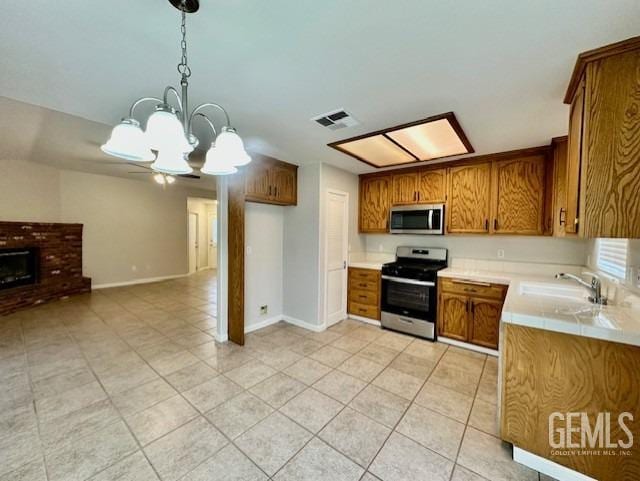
(559, 184)
(375, 201)
(518, 196)
(432, 186)
(283, 182)
(485, 322)
(258, 182)
(469, 201)
(454, 317)
(574, 155)
(405, 188)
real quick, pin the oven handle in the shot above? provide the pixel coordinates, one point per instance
(408, 281)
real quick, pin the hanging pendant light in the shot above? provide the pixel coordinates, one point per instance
(128, 142)
(169, 131)
(172, 162)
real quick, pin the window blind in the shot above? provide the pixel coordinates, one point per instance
(612, 257)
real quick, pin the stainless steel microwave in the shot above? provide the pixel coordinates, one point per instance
(417, 219)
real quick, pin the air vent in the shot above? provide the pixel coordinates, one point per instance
(336, 119)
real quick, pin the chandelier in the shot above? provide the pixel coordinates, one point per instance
(169, 129)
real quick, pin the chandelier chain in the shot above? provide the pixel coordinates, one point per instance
(183, 66)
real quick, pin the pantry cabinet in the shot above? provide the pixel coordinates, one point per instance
(603, 166)
(271, 181)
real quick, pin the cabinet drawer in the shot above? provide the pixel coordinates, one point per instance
(363, 310)
(472, 288)
(357, 284)
(364, 274)
(370, 298)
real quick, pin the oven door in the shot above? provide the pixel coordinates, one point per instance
(409, 306)
(421, 219)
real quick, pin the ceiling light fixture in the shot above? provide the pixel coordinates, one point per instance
(169, 130)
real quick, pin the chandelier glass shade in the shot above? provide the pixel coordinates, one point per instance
(128, 142)
(169, 130)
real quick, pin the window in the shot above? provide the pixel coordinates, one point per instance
(612, 257)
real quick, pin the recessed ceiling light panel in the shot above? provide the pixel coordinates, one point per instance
(432, 138)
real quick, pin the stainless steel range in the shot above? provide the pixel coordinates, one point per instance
(409, 290)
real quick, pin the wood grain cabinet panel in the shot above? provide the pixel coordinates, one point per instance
(485, 324)
(404, 188)
(469, 201)
(558, 205)
(375, 202)
(284, 181)
(363, 296)
(610, 182)
(271, 181)
(518, 188)
(574, 154)
(453, 315)
(432, 186)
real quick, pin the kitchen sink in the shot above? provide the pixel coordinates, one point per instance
(568, 292)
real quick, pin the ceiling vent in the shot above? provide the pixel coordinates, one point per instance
(336, 119)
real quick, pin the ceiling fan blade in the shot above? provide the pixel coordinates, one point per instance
(189, 176)
(145, 173)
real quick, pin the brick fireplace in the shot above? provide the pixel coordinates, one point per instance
(39, 263)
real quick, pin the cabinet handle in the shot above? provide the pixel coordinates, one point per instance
(467, 305)
(269, 190)
(562, 221)
(275, 191)
(495, 224)
(418, 193)
(362, 297)
(470, 282)
(486, 225)
(473, 308)
(470, 290)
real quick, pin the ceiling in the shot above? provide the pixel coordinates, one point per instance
(501, 66)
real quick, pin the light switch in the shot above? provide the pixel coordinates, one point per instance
(500, 253)
(249, 250)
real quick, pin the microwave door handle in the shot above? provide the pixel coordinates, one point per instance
(430, 219)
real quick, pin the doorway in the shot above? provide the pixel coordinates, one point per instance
(193, 242)
(336, 251)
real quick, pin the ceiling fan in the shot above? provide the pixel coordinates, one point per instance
(160, 177)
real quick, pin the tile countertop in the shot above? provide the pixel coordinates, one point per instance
(569, 315)
(369, 260)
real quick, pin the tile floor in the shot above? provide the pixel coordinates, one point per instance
(129, 384)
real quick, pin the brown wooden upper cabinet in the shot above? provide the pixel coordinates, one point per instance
(419, 187)
(375, 202)
(518, 188)
(271, 181)
(603, 166)
(469, 203)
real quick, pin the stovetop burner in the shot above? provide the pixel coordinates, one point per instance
(418, 263)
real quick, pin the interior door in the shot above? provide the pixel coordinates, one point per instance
(336, 232)
(193, 242)
(213, 241)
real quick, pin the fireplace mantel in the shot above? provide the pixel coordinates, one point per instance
(60, 264)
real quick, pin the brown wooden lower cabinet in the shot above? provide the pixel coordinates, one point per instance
(363, 296)
(470, 311)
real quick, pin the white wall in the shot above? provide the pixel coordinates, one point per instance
(132, 229)
(516, 248)
(264, 241)
(301, 247)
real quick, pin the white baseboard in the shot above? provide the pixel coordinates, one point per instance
(303, 324)
(133, 282)
(548, 467)
(261, 324)
(373, 322)
(219, 338)
(470, 347)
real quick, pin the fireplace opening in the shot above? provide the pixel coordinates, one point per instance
(18, 267)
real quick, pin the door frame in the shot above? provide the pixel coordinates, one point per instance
(211, 219)
(325, 263)
(197, 263)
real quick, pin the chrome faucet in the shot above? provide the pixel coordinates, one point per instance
(595, 287)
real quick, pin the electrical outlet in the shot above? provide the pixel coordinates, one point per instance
(249, 250)
(380, 248)
(500, 253)
(637, 276)
(264, 309)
